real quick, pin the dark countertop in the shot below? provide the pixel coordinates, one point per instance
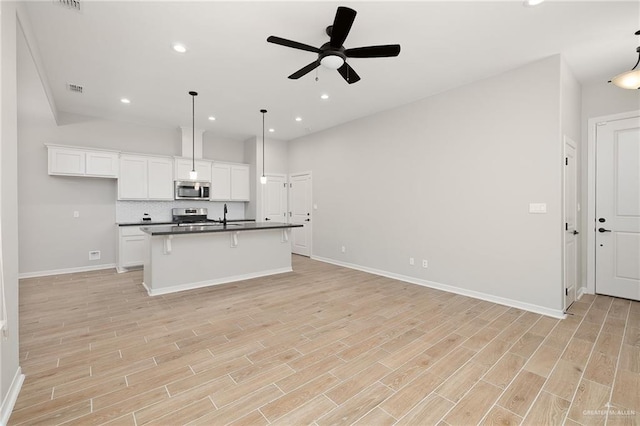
(149, 223)
(145, 223)
(217, 227)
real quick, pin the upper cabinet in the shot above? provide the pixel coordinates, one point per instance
(150, 177)
(144, 177)
(230, 182)
(221, 181)
(240, 182)
(72, 161)
(183, 166)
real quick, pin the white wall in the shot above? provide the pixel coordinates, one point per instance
(449, 179)
(46, 203)
(9, 366)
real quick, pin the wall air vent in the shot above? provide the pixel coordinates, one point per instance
(71, 4)
(75, 88)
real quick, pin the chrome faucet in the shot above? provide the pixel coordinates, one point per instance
(224, 220)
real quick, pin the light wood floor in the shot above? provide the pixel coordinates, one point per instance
(322, 345)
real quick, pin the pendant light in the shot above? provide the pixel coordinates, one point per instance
(193, 175)
(263, 178)
(629, 79)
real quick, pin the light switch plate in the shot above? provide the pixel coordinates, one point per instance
(537, 207)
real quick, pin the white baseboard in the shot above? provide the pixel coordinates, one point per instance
(12, 396)
(450, 289)
(209, 283)
(66, 271)
(581, 292)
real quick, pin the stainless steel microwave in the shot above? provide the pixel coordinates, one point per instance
(192, 190)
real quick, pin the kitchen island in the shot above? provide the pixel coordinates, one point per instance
(186, 257)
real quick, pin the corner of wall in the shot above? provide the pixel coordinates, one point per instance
(25, 26)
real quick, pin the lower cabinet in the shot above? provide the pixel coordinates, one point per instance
(130, 247)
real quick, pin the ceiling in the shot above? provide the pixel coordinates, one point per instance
(123, 49)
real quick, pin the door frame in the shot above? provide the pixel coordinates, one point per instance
(590, 229)
(567, 141)
(289, 203)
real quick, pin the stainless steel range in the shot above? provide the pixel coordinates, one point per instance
(191, 216)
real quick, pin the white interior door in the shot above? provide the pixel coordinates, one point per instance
(570, 222)
(274, 199)
(301, 204)
(617, 224)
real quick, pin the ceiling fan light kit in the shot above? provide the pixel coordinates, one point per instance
(629, 79)
(333, 62)
(333, 54)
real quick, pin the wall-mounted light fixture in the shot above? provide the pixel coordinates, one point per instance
(629, 79)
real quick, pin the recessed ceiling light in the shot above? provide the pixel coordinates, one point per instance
(324, 96)
(212, 118)
(529, 3)
(272, 130)
(125, 101)
(178, 47)
(298, 118)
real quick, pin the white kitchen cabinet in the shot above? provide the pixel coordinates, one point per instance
(183, 166)
(221, 182)
(230, 182)
(145, 177)
(99, 163)
(72, 161)
(240, 182)
(130, 247)
(160, 179)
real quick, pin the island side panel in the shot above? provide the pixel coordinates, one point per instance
(200, 260)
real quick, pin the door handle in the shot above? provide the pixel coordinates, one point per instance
(575, 232)
(604, 230)
(266, 218)
(307, 220)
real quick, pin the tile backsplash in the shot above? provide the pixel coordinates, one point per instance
(160, 211)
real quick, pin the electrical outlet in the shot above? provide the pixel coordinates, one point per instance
(94, 255)
(343, 249)
(76, 213)
(412, 261)
(425, 264)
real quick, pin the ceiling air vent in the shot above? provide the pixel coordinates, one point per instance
(71, 4)
(75, 88)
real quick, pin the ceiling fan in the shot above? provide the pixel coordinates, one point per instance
(333, 54)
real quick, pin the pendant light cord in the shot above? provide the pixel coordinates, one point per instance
(263, 111)
(193, 130)
(193, 133)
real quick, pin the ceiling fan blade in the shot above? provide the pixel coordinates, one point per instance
(304, 70)
(348, 73)
(293, 44)
(341, 26)
(382, 51)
